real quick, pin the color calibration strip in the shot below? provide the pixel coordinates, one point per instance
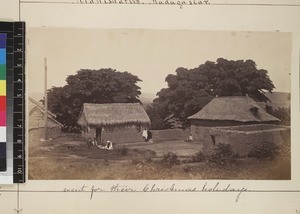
(3, 38)
(18, 80)
(7, 176)
(15, 102)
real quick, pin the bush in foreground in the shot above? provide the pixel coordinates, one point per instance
(196, 158)
(222, 155)
(170, 159)
(264, 150)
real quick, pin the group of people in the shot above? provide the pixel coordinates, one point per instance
(108, 145)
(147, 135)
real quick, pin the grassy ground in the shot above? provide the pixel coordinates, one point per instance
(69, 157)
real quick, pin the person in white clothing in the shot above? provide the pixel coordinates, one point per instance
(109, 145)
(145, 134)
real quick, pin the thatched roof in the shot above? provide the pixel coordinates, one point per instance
(234, 108)
(112, 114)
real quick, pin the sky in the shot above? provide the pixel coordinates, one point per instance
(150, 54)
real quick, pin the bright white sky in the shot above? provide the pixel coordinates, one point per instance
(150, 54)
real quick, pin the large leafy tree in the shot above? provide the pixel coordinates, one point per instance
(189, 90)
(92, 86)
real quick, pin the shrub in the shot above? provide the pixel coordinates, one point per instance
(187, 168)
(264, 150)
(149, 154)
(198, 157)
(170, 159)
(283, 113)
(70, 129)
(224, 150)
(221, 155)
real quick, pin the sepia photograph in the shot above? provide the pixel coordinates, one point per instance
(139, 104)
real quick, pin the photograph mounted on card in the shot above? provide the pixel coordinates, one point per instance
(158, 104)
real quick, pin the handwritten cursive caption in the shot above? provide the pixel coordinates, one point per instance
(179, 3)
(217, 187)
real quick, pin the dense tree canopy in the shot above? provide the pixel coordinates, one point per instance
(92, 86)
(191, 89)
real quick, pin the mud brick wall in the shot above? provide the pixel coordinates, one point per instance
(131, 135)
(170, 134)
(122, 136)
(128, 136)
(198, 127)
(116, 135)
(242, 141)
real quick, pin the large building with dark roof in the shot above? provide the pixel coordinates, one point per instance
(238, 121)
(229, 111)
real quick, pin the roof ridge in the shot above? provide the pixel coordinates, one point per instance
(41, 106)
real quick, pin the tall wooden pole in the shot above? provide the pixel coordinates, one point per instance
(46, 100)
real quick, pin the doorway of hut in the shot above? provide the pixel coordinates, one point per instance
(98, 135)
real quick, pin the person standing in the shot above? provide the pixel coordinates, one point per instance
(145, 134)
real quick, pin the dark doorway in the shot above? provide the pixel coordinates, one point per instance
(149, 133)
(98, 134)
(213, 139)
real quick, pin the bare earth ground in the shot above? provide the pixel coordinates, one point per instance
(69, 157)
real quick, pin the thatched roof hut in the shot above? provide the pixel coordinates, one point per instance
(116, 122)
(235, 108)
(112, 114)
